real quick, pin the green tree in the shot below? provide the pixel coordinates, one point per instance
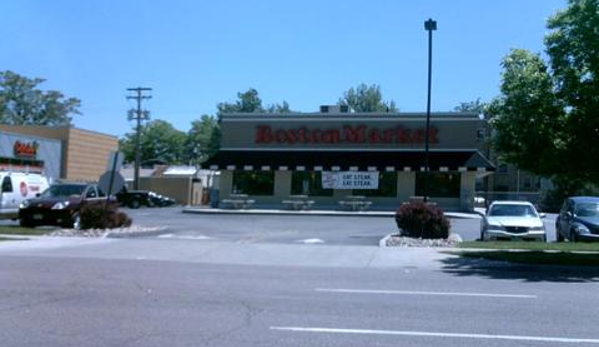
(202, 139)
(160, 142)
(365, 98)
(545, 119)
(527, 118)
(279, 108)
(472, 106)
(248, 102)
(21, 102)
(573, 47)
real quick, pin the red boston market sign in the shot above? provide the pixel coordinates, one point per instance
(265, 134)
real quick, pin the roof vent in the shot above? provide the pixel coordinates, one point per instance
(335, 109)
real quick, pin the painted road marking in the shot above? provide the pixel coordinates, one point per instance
(311, 241)
(436, 334)
(184, 237)
(409, 292)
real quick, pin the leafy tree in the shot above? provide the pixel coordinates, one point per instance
(573, 48)
(279, 108)
(21, 102)
(160, 142)
(546, 117)
(527, 117)
(202, 139)
(472, 106)
(249, 102)
(367, 99)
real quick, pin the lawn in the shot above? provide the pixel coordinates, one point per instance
(16, 230)
(537, 253)
(533, 246)
(537, 257)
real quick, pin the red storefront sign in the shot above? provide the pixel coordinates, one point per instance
(25, 149)
(348, 134)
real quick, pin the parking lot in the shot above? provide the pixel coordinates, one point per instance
(309, 229)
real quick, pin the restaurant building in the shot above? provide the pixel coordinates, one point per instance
(332, 155)
(66, 153)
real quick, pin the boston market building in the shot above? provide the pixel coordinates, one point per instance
(328, 156)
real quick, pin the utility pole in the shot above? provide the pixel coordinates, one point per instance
(138, 115)
(430, 26)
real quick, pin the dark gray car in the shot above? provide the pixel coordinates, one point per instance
(578, 219)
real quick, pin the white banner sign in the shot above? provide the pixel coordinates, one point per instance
(350, 180)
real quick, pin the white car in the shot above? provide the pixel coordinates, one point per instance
(513, 220)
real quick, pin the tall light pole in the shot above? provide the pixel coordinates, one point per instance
(138, 115)
(429, 26)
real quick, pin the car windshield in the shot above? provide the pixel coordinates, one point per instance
(590, 209)
(512, 210)
(63, 190)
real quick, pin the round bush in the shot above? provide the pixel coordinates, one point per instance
(422, 220)
(98, 216)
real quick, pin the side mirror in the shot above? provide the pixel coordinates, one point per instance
(542, 215)
(569, 214)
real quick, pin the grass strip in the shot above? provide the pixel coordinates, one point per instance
(17, 230)
(537, 257)
(532, 246)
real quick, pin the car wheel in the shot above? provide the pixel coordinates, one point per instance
(573, 237)
(559, 236)
(26, 223)
(134, 204)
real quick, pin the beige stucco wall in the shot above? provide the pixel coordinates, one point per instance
(88, 153)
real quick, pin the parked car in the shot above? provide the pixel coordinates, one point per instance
(58, 205)
(512, 220)
(138, 198)
(134, 198)
(160, 200)
(16, 187)
(578, 219)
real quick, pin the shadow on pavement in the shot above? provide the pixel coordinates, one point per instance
(464, 266)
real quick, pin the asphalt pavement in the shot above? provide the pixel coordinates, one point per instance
(89, 295)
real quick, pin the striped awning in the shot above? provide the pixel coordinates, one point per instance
(348, 161)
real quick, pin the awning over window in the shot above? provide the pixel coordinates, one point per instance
(348, 161)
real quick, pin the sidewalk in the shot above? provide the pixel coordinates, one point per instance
(227, 253)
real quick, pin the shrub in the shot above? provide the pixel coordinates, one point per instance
(422, 220)
(100, 216)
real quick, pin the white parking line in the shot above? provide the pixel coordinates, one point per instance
(436, 334)
(409, 292)
(311, 241)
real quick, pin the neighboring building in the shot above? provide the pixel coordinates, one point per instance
(331, 155)
(67, 153)
(30, 154)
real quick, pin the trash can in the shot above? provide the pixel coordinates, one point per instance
(214, 197)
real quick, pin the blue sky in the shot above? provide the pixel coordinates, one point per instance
(195, 54)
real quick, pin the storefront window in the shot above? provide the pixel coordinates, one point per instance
(254, 182)
(308, 183)
(387, 186)
(440, 184)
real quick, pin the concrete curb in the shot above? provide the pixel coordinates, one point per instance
(330, 213)
(136, 234)
(383, 241)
